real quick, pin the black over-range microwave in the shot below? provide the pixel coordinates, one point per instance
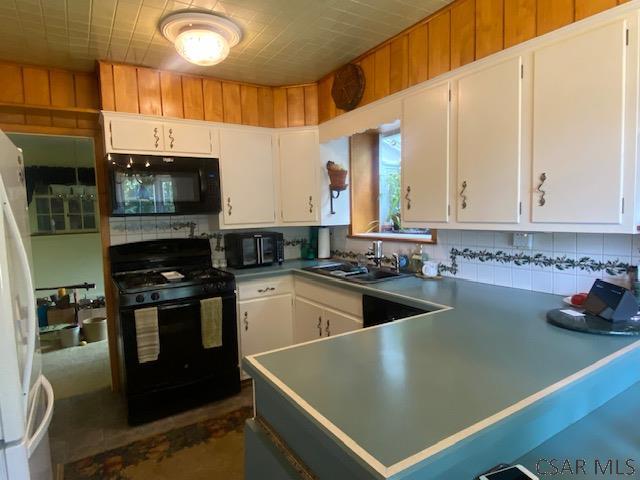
(159, 185)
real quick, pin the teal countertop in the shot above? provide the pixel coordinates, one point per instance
(271, 270)
(617, 439)
(401, 388)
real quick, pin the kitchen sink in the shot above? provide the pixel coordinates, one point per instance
(352, 272)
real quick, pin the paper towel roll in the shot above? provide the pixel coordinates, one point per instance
(324, 243)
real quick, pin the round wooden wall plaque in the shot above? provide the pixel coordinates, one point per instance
(348, 86)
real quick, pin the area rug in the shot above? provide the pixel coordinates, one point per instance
(211, 449)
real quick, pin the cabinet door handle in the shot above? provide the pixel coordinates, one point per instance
(541, 200)
(327, 330)
(407, 197)
(266, 289)
(156, 136)
(310, 204)
(463, 196)
(229, 208)
(319, 326)
(246, 321)
(171, 138)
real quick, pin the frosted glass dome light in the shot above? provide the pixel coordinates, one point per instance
(201, 38)
(202, 47)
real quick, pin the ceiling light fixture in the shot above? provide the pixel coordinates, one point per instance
(201, 38)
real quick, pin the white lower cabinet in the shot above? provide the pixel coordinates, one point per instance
(313, 321)
(265, 323)
(308, 323)
(336, 322)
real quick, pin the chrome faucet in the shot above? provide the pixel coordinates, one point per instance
(375, 253)
(396, 262)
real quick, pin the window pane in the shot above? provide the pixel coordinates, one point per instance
(74, 205)
(57, 205)
(89, 222)
(389, 172)
(42, 205)
(44, 223)
(58, 222)
(75, 222)
(88, 206)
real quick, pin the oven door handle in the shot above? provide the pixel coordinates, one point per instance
(164, 308)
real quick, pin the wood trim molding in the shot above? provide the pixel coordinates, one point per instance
(136, 89)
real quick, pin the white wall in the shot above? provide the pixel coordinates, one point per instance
(67, 260)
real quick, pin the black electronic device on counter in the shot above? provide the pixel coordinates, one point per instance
(253, 249)
(610, 302)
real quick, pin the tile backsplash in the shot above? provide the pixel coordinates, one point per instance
(560, 263)
(136, 229)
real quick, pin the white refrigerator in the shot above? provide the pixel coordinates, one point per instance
(26, 397)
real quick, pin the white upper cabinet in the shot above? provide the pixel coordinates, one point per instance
(578, 128)
(489, 144)
(247, 177)
(133, 135)
(299, 154)
(425, 156)
(187, 138)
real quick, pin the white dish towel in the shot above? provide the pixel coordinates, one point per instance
(147, 336)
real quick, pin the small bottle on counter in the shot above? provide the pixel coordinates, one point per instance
(632, 278)
(416, 259)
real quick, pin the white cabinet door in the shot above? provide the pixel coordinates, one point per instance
(578, 122)
(265, 324)
(135, 135)
(489, 138)
(336, 323)
(187, 138)
(308, 324)
(425, 156)
(246, 164)
(299, 158)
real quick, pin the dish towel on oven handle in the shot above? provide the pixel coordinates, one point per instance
(211, 322)
(147, 337)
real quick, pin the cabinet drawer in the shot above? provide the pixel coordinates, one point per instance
(337, 298)
(265, 287)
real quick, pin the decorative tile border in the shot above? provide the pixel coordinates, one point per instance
(562, 263)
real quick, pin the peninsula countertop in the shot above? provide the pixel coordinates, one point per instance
(401, 394)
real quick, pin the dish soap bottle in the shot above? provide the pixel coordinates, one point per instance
(416, 259)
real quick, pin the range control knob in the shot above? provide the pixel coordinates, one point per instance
(220, 285)
(155, 296)
(140, 298)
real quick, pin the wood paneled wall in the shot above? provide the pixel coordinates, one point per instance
(127, 88)
(47, 97)
(464, 31)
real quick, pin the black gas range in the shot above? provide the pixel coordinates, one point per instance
(173, 277)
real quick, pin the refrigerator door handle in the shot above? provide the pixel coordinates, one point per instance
(35, 439)
(31, 306)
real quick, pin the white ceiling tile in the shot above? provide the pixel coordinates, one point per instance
(285, 41)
